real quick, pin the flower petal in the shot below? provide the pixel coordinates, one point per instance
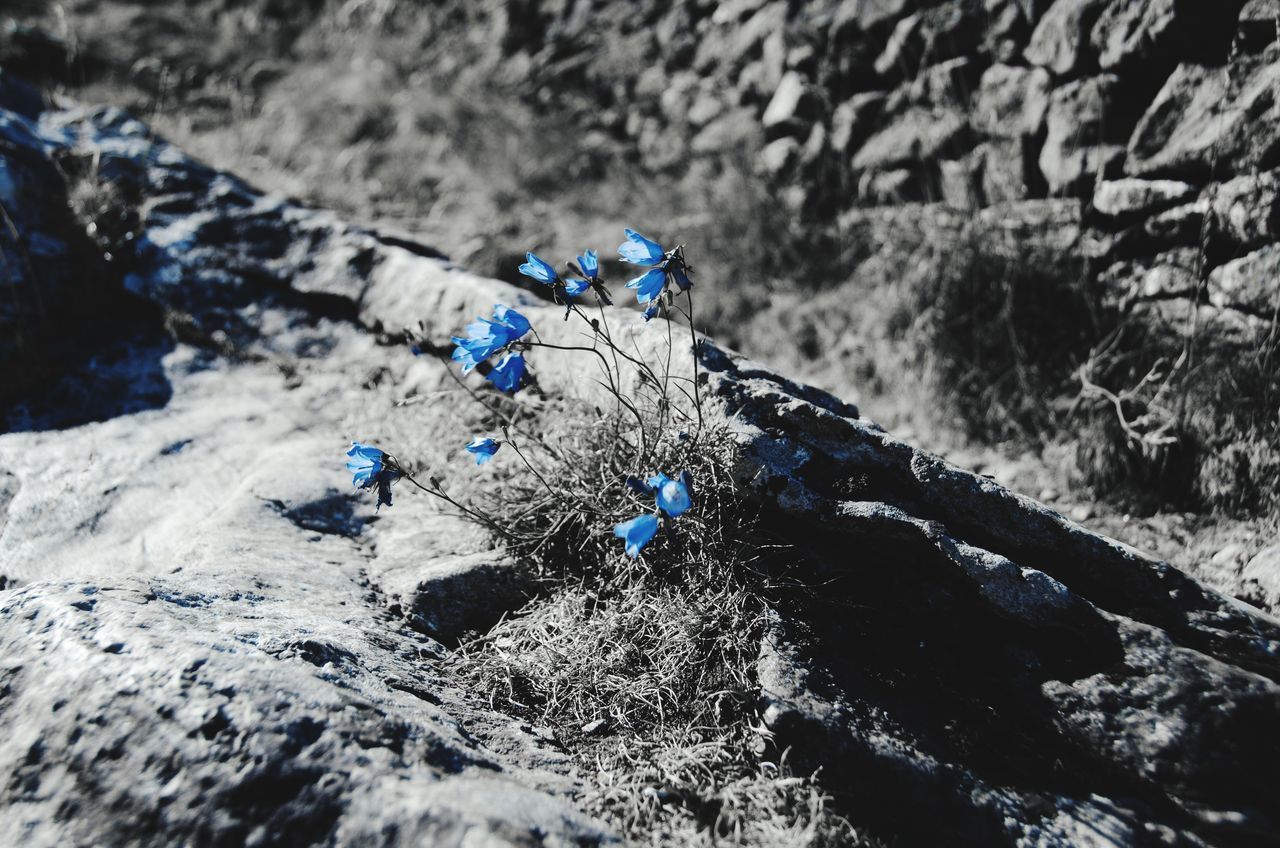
(649, 285)
(637, 532)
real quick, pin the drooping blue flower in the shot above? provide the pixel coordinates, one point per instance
(486, 337)
(512, 320)
(370, 469)
(539, 269)
(507, 372)
(681, 276)
(652, 309)
(637, 532)
(673, 495)
(639, 250)
(484, 448)
(575, 286)
(365, 464)
(649, 285)
(589, 264)
(638, 486)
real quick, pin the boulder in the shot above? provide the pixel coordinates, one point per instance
(1247, 209)
(1249, 284)
(1256, 26)
(1060, 42)
(914, 135)
(960, 181)
(1130, 198)
(1262, 575)
(791, 109)
(947, 83)
(1145, 38)
(1011, 102)
(777, 157)
(1009, 172)
(853, 120)
(1080, 142)
(1198, 127)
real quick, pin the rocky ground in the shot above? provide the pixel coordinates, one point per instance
(827, 161)
(210, 639)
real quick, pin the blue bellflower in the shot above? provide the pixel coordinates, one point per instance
(637, 532)
(484, 448)
(673, 495)
(541, 270)
(507, 372)
(486, 337)
(589, 265)
(664, 268)
(369, 469)
(639, 250)
(649, 285)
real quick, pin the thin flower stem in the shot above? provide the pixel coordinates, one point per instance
(617, 393)
(442, 495)
(693, 335)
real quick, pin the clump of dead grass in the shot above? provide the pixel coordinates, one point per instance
(645, 668)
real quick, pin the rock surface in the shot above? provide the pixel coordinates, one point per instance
(207, 639)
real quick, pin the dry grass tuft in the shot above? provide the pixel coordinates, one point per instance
(645, 668)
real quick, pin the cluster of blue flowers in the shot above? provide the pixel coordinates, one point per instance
(503, 336)
(587, 277)
(487, 337)
(666, 267)
(672, 499)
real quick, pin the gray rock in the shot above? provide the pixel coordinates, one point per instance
(1060, 41)
(1262, 575)
(853, 120)
(1011, 102)
(777, 157)
(1257, 23)
(1142, 36)
(948, 83)
(1197, 125)
(961, 181)
(901, 54)
(790, 110)
(1247, 209)
(915, 135)
(1250, 283)
(1080, 143)
(1005, 173)
(1128, 198)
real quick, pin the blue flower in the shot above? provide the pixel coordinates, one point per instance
(539, 269)
(673, 495)
(507, 373)
(365, 464)
(652, 309)
(589, 264)
(486, 337)
(369, 468)
(575, 286)
(512, 320)
(681, 276)
(638, 486)
(639, 250)
(649, 285)
(483, 448)
(637, 532)
(415, 349)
